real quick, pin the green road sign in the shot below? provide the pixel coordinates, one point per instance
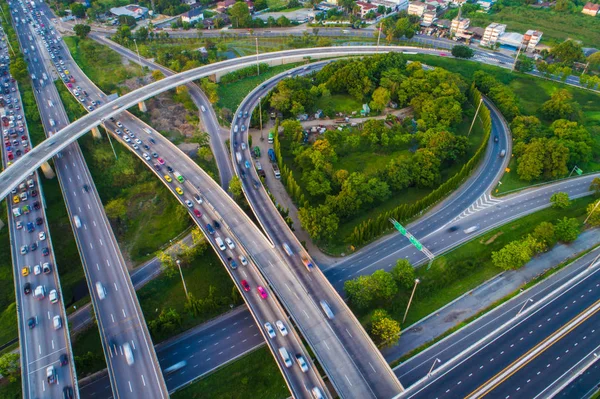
(578, 171)
(399, 227)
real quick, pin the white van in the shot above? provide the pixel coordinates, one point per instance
(128, 353)
(471, 229)
(220, 243)
(77, 221)
(285, 356)
(57, 322)
(235, 129)
(100, 290)
(326, 309)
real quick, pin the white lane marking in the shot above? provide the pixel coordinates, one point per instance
(112, 317)
(130, 389)
(143, 380)
(116, 288)
(124, 315)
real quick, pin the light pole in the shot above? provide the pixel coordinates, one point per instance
(138, 53)
(379, 35)
(182, 280)
(260, 118)
(109, 140)
(417, 281)
(525, 304)
(588, 216)
(257, 64)
(475, 117)
(433, 365)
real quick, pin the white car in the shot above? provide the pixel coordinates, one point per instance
(119, 124)
(269, 329)
(243, 146)
(135, 147)
(127, 139)
(37, 269)
(146, 156)
(243, 260)
(281, 327)
(189, 203)
(53, 296)
(138, 141)
(302, 363)
(42, 236)
(198, 198)
(230, 243)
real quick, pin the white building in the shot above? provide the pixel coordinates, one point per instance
(459, 25)
(492, 33)
(531, 38)
(193, 15)
(399, 5)
(417, 8)
(428, 18)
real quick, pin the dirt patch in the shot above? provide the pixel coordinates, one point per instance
(493, 238)
(453, 316)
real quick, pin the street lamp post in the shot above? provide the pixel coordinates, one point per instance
(138, 54)
(417, 281)
(260, 119)
(588, 216)
(525, 304)
(257, 64)
(433, 365)
(475, 117)
(182, 279)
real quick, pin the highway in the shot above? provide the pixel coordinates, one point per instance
(102, 260)
(543, 341)
(47, 366)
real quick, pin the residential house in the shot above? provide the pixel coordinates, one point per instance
(492, 33)
(428, 18)
(222, 6)
(591, 9)
(397, 5)
(531, 38)
(417, 8)
(365, 8)
(132, 10)
(485, 5)
(193, 15)
(189, 2)
(459, 26)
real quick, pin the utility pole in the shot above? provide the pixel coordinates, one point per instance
(138, 53)
(525, 304)
(417, 281)
(257, 64)
(475, 117)
(182, 280)
(516, 59)
(588, 216)
(379, 35)
(109, 140)
(260, 119)
(436, 361)
(584, 69)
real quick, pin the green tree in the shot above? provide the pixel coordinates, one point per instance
(404, 273)
(461, 51)
(10, 366)
(381, 97)
(82, 30)
(524, 64)
(514, 255)
(157, 75)
(595, 186)
(426, 168)
(560, 106)
(524, 128)
(319, 222)
(364, 291)
(260, 5)
(78, 10)
(568, 52)
(385, 330)
(116, 208)
(544, 234)
(560, 200)
(593, 210)
(167, 263)
(240, 15)
(18, 69)
(235, 188)
(567, 229)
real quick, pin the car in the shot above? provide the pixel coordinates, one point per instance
(135, 147)
(216, 224)
(162, 162)
(118, 131)
(31, 322)
(25, 270)
(198, 198)
(127, 139)
(57, 322)
(45, 251)
(243, 260)
(16, 199)
(90, 108)
(33, 246)
(232, 263)
(146, 147)
(262, 292)
(496, 139)
(63, 359)
(269, 329)
(179, 190)
(138, 141)
(53, 296)
(19, 225)
(154, 155)
(36, 205)
(243, 146)
(247, 164)
(170, 169)
(67, 393)
(118, 122)
(245, 285)
(229, 243)
(301, 362)
(46, 268)
(27, 288)
(37, 269)
(453, 228)
(128, 353)
(168, 178)
(189, 203)
(34, 193)
(39, 221)
(152, 140)
(281, 327)
(24, 249)
(146, 156)
(197, 213)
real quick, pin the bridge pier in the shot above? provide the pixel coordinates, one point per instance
(96, 133)
(47, 171)
(142, 106)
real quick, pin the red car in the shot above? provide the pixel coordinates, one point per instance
(161, 161)
(245, 285)
(197, 213)
(10, 155)
(262, 292)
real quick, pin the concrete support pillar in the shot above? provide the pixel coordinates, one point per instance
(142, 106)
(96, 133)
(47, 171)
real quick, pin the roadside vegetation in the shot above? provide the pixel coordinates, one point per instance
(254, 375)
(461, 270)
(356, 171)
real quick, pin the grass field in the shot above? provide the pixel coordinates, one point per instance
(96, 60)
(253, 376)
(557, 26)
(8, 315)
(88, 351)
(478, 250)
(10, 390)
(338, 103)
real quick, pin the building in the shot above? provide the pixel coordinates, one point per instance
(437, 4)
(492, 33)
(459, 26)
(485, 6)
(417, 8)
(222, 6)
(132, 10)
(397, 5)
(531, 38)
(365, 8)
(189, 2)
(193, 15)
(428, 18)
(591, 9)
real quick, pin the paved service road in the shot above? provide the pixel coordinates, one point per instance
(43, 331)
(122, 325)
